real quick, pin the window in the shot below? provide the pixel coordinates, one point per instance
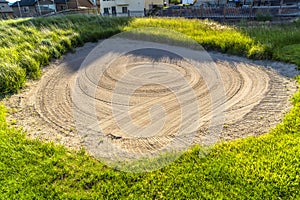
(106, 11)
(45, 7)
(26, 9)
(124, 10)
(113, 10)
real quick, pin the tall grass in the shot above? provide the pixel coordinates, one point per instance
(282, 41)
(29, 44)
(211, 35)
(32, 43)
(257, 42)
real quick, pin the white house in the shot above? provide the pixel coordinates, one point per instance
(122, 7)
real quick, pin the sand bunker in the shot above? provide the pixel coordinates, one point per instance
(257, 97)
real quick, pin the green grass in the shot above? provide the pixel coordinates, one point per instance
(290, 53)
(257, 42)
(265, 167)
(280, 42)
(28, 44)
(211, 35)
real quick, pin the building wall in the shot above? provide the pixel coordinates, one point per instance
(41, 8)
(45, 6)
(4, 8)
(26, 11)
(4, 15)
(122, 7)
(150, 3)
(74, 4)
(85, 3)
(61, 6)
(5, 11)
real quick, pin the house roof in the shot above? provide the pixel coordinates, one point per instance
(5, 7)
(61, 1)
(24, 3)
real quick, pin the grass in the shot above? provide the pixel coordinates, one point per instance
(211, 35)
(290, 53)
(28, 44)
(277, 42)
(265, 167)
(280, 42)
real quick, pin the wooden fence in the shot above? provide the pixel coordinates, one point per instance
(74, 11)
(232, 12)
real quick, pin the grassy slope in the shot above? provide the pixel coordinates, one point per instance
(28, 44)
(262, 167)
(260, 42)
(280, 42)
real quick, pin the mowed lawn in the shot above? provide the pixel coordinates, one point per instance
(265, 167)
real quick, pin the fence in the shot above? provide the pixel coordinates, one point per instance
(226, 12)
(74, 11)
(129, 13)
(212, 13)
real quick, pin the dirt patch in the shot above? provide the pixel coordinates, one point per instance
(257, 97)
